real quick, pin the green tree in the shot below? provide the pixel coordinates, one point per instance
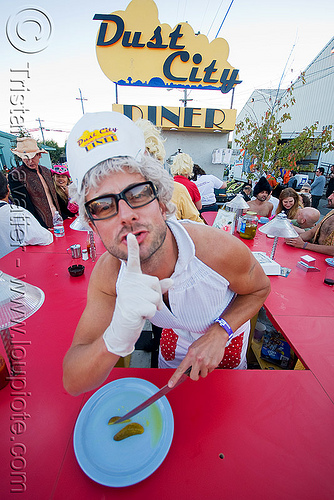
(57, 154)
(303, 145)
(262, 139)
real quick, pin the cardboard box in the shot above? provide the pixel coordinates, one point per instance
(275, 349)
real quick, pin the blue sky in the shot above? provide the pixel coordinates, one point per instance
(263, 36)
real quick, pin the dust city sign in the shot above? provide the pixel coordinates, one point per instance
(133, 48)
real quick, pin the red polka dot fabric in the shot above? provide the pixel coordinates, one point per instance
(232, 355)
(168, 343)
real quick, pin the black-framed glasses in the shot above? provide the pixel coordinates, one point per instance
(136, 196)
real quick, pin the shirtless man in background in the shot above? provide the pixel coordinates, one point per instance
(260, 205)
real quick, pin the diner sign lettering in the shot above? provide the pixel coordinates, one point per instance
(133, 48)
(194, 119)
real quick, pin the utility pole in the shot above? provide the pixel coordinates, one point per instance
(232, 97)
(185, 98)
(41, 128)
(82, 99)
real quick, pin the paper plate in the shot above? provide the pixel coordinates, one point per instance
(330, 261)
(126, 462)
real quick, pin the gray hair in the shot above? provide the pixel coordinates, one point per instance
(148, 167)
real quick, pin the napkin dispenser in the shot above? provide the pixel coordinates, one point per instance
(270, 267)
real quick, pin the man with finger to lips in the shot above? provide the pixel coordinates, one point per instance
(200, 284)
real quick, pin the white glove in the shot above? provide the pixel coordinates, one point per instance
(139, 296)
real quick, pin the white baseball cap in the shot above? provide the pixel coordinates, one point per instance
(99, 136)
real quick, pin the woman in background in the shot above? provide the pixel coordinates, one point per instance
(289, 203)
(61, 180)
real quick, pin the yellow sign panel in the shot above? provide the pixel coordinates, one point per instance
(190, 119)
(133, 48)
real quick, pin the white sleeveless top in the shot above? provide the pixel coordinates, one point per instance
(199, 294)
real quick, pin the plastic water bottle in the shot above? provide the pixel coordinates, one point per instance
(58, 225)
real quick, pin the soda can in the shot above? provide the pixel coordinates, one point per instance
(75, 250)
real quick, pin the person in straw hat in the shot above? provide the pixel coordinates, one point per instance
(31, 184)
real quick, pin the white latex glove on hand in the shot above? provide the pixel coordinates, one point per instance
(139, 296)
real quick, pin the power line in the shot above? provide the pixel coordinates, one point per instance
(228, 10)
(184, 11)
(203, 17)
(221, 3)
(315, 73)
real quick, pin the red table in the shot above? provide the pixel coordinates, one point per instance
(262, 422)
(301, 306)
(274, 428)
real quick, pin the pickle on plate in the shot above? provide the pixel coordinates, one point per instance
(113, 420)
(129, 430)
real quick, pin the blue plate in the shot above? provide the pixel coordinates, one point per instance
(126, 462)
(330, 261)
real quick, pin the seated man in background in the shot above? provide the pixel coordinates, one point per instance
(31, 184)
(306, 218)
(155, 267)
(261, 205)
(18, 227)
(321, 237)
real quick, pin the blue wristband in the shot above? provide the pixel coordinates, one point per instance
(224, 324)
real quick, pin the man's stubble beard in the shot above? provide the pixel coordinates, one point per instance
(156, 244)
